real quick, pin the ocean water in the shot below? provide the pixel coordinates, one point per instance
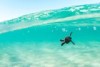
(33, 40)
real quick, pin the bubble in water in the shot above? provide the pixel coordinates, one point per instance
(64, 30)
(94, 28)
(55, 27)
(74, 22)
(28, 31)
(79, 28)
(52, 31)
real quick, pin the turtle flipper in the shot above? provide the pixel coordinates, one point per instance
(61, 40)
(72, 42)
(70, 33)
(62, 43)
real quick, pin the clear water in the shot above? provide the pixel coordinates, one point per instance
(33, 40)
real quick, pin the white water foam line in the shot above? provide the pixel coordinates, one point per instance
(11, 27)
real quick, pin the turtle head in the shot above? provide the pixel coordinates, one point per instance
(70, 38)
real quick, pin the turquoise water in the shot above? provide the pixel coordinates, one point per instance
(33, 40)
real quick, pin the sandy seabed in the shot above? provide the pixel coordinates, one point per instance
(50, 55)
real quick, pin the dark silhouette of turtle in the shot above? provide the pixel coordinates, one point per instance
(67, 40)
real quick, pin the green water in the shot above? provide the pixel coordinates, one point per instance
(33, 40)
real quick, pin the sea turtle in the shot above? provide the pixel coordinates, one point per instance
(67, 40)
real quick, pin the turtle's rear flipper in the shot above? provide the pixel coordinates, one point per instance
(62, 43)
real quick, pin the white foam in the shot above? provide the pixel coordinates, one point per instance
(84, 10)
(22, 25)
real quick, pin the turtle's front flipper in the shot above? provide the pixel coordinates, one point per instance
(61, 40)
(70, 33)
(72, 42)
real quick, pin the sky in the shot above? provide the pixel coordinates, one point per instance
(10, 9)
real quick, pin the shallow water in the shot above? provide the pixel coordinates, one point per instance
(33, 40)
